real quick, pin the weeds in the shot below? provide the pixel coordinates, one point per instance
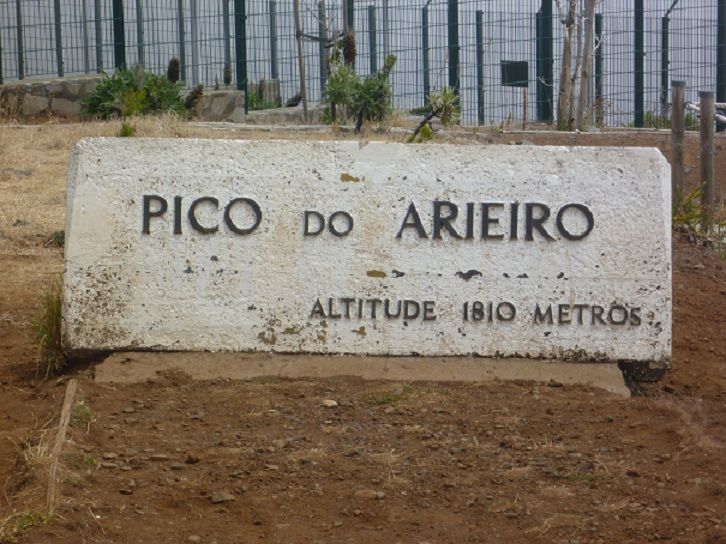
(17, 524)
(82, 416)
(133, 92)
(46, 330)
(687, 219)
(444, 106)
(127, 130)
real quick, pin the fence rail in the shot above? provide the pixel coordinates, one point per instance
(503, 56)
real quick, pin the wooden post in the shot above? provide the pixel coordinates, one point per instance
(65, 419)
(708, 110)
(678, 131)
(300, 60)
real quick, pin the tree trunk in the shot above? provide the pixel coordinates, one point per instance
(575, 73)
(563, 106)
(584, 98)
(300, 59)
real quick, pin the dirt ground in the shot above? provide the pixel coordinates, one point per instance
(175, 461)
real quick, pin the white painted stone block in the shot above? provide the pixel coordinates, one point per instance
(274, 289)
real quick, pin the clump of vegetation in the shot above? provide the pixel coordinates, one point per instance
(653, 120)
(46, 330)
(349, 96)
(127, 130)
(443, 106)
(133, 92)
(687, 219)
(16, 525)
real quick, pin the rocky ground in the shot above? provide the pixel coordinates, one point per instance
(341, 459)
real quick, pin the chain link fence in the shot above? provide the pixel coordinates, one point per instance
(503, 56)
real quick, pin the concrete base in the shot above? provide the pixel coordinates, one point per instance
(140, 367)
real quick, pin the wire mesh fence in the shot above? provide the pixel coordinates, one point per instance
(503, 56)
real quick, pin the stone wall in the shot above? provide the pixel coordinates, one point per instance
(59, 97)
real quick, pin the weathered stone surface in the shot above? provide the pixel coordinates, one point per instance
(62, 107)
(222, 106)
(34, 105)
(604, 296)
(59, 96)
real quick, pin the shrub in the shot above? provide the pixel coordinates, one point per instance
(127, 130)
(349, 96)
(444, 106)
(127, 93)
(46, 330)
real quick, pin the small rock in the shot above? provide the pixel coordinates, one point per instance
(108, 456)
(194, 539)
(131, 452)
(329, 403)
(222, 496)
(129, 410)
(177, 466)
(126, 468)
(192, 459)
(125, 491)
(272, 467)
(108, 464)
(158, 457)
(633, 474)
(369, 494)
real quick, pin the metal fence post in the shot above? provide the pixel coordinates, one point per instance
(545, 60)
(182, 41)
(678, 131)
(58, 37)
(273, 40)
(372, 38)
(664, 64)
(140, 32)
(639, 97)
(708, 110)
(21, 51)
(599, 95)
(119, 36)
(1, 58)
(193, 20)
(322, 51)
(721, 57)
(386, 30)
(453, 44)
(99, 35)
(348, 15)
(425, 53)
(227, 34)
(240, 47)
(479, 67)
(86, 52)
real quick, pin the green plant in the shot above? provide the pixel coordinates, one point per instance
(127, 130)
(653, 120)
(349, 96)
(17, 524)
(133, 92)
(255, 102)
(371, 97)
(687, 209)
(46, 330)
(444, 106)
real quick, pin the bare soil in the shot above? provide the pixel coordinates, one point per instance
(174, 460)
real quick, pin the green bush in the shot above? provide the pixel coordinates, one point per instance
(133, 92)
(368, 99)
(444, 106)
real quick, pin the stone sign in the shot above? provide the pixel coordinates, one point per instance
(378, 248)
